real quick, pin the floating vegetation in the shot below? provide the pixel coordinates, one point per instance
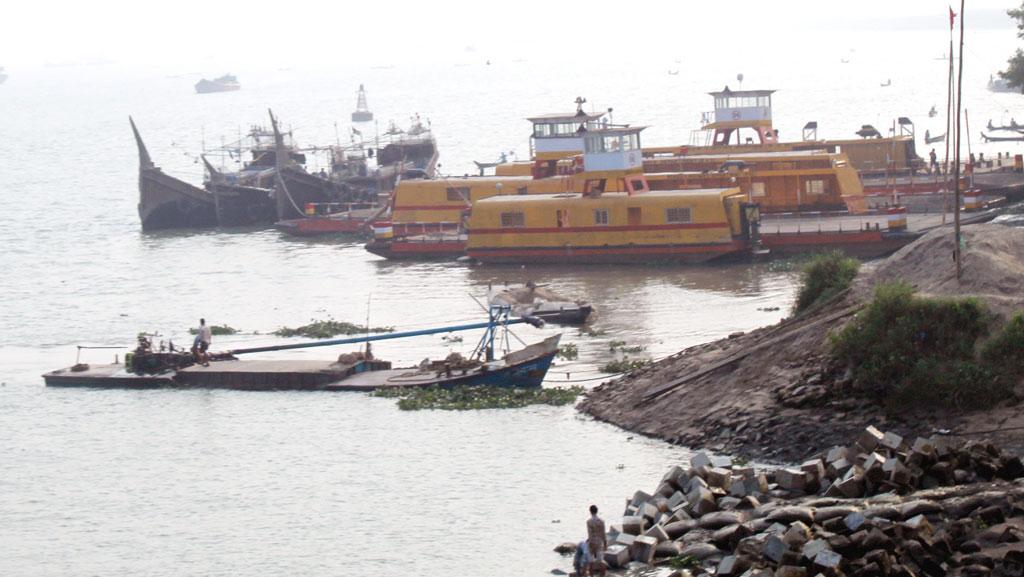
(683, 562)
(624, 365)
(569, 352)
(468, 398)
(452, 339)
(326, 329)
(216, 330)
(621, 347)
(589, 331)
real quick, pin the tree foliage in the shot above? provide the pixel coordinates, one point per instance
(1014, 73)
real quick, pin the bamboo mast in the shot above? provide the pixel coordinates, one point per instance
(956, 175)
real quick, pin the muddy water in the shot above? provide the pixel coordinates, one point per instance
(228, 483)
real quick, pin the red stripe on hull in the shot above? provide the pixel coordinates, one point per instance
(397, 250)
(609, 254)
(867, 244)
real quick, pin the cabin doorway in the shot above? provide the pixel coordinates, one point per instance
(633, 216)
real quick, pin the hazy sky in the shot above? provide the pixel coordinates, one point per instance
(191, 33)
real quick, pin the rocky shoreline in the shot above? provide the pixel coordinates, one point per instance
(880, 507)
(774, 394)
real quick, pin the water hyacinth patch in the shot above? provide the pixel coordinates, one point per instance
(467, 398)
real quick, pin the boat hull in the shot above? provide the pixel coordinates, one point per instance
(322, 226)
(243, 205)
(861, 244)
(166, 202)
(413, 250)
(626, 254)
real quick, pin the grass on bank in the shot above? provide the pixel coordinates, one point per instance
(910, 351)
(466, 398)
(325, 329)
(825, 276)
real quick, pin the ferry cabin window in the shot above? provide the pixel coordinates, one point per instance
(458, 194)
(562, 218)
(601, 216)
(757, 189)
(814, 186)
(678, 215)
(513, 220)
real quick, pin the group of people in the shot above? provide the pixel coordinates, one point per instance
(589, 558)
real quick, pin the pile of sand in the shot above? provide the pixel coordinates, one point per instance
(993, 267)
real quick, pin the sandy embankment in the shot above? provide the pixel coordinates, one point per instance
(768, 393)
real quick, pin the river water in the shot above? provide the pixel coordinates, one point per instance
(157, 483)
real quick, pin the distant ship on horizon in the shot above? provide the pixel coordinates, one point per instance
(3, 75)
(226, 83)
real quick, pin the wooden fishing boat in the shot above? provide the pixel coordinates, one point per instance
(146, 368)
(167, 202)
(990, 138)
(334, 218)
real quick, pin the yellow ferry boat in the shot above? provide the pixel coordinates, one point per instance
(599, 226)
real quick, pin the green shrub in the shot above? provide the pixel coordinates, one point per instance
(824, 277)
(908, 350)
(1004, 353)
(216, 330)
(569, 351)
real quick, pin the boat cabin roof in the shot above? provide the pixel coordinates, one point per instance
(653, 195)
(770, 155)
(727, 92)
(564, 117)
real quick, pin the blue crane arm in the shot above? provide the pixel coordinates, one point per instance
(381, 337)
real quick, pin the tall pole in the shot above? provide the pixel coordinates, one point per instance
(956, 172)
(949, 119)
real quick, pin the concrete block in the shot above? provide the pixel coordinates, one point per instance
(870, 438)
(854, 521)
(852, 486)
(649, 512)
(721, 461)
(898, 473)
(835, 453)
(718, 477)
(658, 532)
(814, 468)
(677, 498)
(892, 441)
(633, 525)
(699, 460)
(813, 547)
(797, 534)
(616, 555)
(728, 503)
(696, 483)
(774, 548)
(756, 485)
(828, 560)
(740, 472)
(731, 566)
(625, 539)
(791, 479)
(919, 525)
(702, 502)
(640, 498)
(839, 467)
(644, 548)
(790, 571)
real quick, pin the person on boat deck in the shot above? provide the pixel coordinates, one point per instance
(597, 541)
(323, 173)
(204, 336)
(934, 161)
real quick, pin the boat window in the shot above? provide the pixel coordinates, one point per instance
(522, 190)
(458, 193)
(816, 186)
(594, 144)
(678, 215)
(601, 216)
(562, 218)
(513, 220)
(757, 189)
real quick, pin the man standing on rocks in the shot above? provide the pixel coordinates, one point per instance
(596, 542)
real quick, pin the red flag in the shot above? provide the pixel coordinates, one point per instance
(952, 17)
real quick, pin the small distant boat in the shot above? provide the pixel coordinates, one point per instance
(999, 84)
(362, 113)
(3, 75)
(929, 139)
(673, 72)
(531, 300)
(226, 83)
(1012, 126)
(987, 138)
(933, 112)
(844, 60)
(886, 83)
